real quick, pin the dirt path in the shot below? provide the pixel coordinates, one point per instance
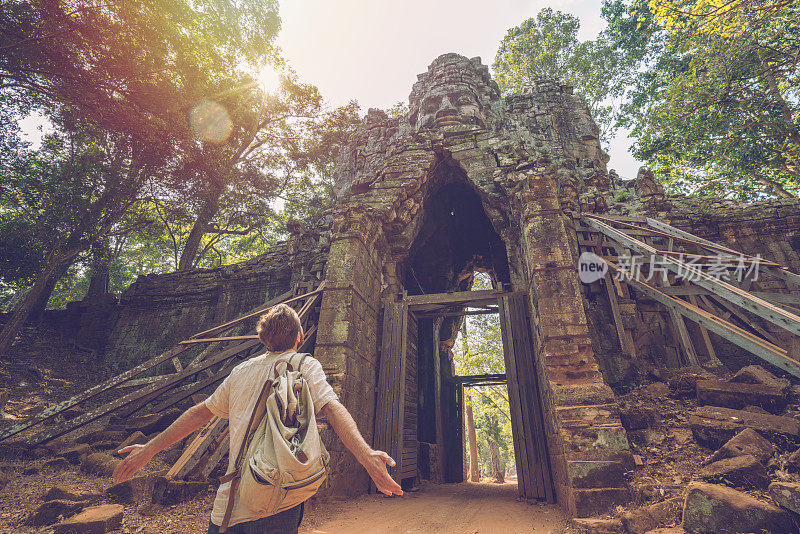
(442, 508)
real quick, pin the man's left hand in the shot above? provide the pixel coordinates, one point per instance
(375, 463)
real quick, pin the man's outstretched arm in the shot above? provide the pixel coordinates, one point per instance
(139, 455)
(373, 461)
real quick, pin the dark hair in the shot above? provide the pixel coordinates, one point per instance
(278, 328)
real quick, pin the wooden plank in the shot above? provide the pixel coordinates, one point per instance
(745, 320)
(280, 299)
(466, 379)
(52, 411)
(517, 427)
(217, 456)
(409, 422)
(100, 411)
(778, 272)
(144, 381)
(380, 430)
(216, 339)
(430, 315)
(615, 314)
(733, 294)
(534, 479)
(761, 348)
(219, 375)
(208, 433)
(526, 372)
(185, 393)
(712, 355)
(684, 340)
(211, 453)
(781, 298)
(437, 396)
(457, 297)
(400, 385)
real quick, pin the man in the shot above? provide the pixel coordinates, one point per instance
(281, 333)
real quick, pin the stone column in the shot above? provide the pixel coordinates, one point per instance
(347, 334)
(587, 445)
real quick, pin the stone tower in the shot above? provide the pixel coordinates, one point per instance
(520, 163)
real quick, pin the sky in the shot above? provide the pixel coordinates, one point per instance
(372, 50)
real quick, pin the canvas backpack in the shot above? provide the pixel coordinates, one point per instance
(282, 461)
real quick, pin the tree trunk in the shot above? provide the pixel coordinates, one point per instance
(32, 299)
(39, 306)
(474, 472)
(200, 228)
(497, 471)
(101, 269)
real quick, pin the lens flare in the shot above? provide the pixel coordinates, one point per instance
(210, 122)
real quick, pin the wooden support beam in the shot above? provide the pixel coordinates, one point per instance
(207, 435)
(625, 339)
(467, 379)
(776, 271)
(431, 315)
(52, 411)
(100, 411)
(216, 457)
(216, 339)
(144, 381)
(458, 297)
(712, 355)
(682, 333)
(733, 294)
(761, 348)
(280, 299)
(745, 320)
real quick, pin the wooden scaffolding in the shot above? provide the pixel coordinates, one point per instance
(714, 286)
(218, 355)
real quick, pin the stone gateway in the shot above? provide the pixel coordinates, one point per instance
(468, 181)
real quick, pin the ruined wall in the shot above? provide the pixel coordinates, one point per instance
(159, 310)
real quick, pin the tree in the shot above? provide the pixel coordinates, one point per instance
(224, 194)
(119, 79)
(715, 107)
(61, 200)
(547, 46)
(135, 68)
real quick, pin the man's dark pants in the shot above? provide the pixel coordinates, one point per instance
(286, 522)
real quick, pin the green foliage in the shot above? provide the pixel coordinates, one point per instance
(481, 352)
(716, 104)
(622, 196)
(136, 80)
(548, 46)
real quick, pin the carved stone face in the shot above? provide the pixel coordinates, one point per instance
(454, 104)
(455, 93)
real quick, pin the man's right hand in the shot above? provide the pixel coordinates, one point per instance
(375, 463)
(138, 456)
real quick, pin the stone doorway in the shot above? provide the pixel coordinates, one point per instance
(485, 184)
(420, 404)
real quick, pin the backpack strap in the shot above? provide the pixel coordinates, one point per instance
(258, 412)
(302, 360)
